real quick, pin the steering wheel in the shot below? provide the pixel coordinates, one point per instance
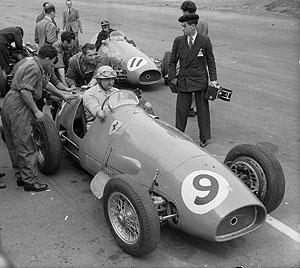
(106, 99)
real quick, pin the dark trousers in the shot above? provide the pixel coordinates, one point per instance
(183, 104)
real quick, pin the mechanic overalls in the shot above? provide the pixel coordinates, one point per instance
(18, 119)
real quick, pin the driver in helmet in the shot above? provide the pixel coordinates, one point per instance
(95, 96)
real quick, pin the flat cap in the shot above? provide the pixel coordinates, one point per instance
(104, 22)
(188, 17)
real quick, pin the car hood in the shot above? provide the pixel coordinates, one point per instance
(149, 144)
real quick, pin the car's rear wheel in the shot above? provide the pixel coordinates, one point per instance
(3, 84)
(48, 144)
(131, 215)
(165, 63)
(260, 170)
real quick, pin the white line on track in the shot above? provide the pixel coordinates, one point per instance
(283, 228)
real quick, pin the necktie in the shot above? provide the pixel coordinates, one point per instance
(69, 11)
(190, 42)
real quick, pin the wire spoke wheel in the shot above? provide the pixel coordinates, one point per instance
(261, 172)
(123, 218)
(252, 174)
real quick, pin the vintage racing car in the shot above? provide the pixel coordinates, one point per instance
(131, 64)
(148, 173)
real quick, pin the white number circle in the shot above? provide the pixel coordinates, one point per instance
(204, 190)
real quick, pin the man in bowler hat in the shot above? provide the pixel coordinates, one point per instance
(197, 69)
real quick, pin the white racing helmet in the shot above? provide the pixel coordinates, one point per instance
(105, 72)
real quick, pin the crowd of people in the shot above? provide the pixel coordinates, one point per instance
(62, 65)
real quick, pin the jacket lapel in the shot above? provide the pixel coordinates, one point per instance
(195, 49)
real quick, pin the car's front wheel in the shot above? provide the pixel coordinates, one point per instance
(260, 170)
(131, 215)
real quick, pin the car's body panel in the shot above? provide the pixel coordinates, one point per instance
(211, 201)
(139, 68)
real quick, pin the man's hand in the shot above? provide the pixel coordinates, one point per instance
(38, 114)
(69, 98)
(101, 115)
(214, 84)
(81, 30)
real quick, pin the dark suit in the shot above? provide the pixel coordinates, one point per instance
(193, 77)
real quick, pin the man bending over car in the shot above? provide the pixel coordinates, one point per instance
(94, 97)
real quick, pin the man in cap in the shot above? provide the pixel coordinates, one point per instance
(103, 35)
(195, 55)
(94, 97)
(46, 30)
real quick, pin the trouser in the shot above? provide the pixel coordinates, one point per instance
(4, 57)
(18, 121)
(183, 104)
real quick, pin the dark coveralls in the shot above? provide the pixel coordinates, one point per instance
(103, 35)
(18, 119)
(193, 77)
(7, 37)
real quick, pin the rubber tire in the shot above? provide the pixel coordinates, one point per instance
(52, 147)
(165, 63)
(3, 85)
(145, 209)
(269, 163)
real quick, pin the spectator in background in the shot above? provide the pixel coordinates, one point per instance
(71, 20)
(103, 34)
(190, 7)
(66, 48)
(45, 30)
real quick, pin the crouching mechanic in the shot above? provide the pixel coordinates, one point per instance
(19, 113)
(95, 96)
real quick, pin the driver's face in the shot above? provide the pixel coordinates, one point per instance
(106, 83)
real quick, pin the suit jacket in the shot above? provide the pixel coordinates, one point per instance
(45, 32)
(9, 35)
(71, 22)
(193, 63)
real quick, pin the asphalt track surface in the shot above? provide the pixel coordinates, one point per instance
(258, 57)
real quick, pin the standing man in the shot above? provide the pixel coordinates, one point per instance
(8, 36)
(71, 20)
(190, 7)
(19, 112)
(103, 34)
(94, 97)
(42, 15)
(195, 55)
(45, 30)
(66, 48)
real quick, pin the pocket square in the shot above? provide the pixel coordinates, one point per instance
(200, 54)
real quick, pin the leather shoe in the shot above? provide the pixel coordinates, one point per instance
(35, 187)
(2, 185)
(203, 143)
(2, 175)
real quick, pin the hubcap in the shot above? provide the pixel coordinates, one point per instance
(252, 174)
(123, 217)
